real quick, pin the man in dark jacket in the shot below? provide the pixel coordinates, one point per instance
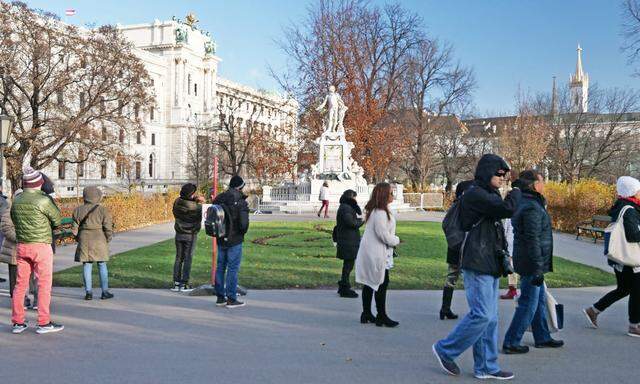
(453, 260)
(235, 207)
(482, 263)
(349, 220)
(187, 211)
(532, 258)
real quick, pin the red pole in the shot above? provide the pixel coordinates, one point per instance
(214, 242)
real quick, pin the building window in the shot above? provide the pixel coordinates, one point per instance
(119, 165)
(103, 169)
(138, 170)
(189, 84)
(82, 100)
(150, 165)
(62, 169)
(60, 97)
(153, 139)
(104, 133)
(80, 169)
(153, 82)
(151, 114)
(138, 137)
(136, 111)
(121, 136)
(195, 89)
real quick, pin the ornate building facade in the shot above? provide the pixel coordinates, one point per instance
(190, 96)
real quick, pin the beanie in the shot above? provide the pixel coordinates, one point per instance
(236, 182)
(627, 186)
(31, 178)
(187, 190)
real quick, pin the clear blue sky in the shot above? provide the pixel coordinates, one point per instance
(509, 44)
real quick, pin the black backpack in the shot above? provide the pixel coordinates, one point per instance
(452, 226)
(216, 222)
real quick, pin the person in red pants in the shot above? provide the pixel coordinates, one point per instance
(324, 197)
(34, 215)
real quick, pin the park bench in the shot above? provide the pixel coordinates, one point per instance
(65, 231)
(594, 227)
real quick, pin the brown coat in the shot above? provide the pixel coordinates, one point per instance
(8, 251)
(97, 230)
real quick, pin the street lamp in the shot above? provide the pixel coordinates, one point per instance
(6, 123)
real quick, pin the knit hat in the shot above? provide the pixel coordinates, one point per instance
(236, 182)
(31, 178)
(187, 190)
(627, 186)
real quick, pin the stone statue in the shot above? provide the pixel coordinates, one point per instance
(191, 20)
(181, 35)
(209, 48)
(336, 109)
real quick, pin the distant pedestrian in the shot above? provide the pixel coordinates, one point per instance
(324, 198)
(235, 206)
(187, 211)
(34, 216)
(627, 278)
(483, 261)
(453, 262)
(375, 255)
(532, 258)
(349, 220)
(93, 226)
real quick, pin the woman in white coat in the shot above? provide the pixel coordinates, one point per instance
(375, 255)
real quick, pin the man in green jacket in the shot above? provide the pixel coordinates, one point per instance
(34, 215)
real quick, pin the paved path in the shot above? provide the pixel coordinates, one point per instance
(290, 336)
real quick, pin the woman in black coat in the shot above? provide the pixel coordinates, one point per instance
(347, 237)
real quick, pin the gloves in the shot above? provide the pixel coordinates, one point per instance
(537, 280)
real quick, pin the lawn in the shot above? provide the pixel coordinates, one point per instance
(302, 255)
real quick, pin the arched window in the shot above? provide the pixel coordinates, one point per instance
(151, 165)
(121, 136)
(103, 169)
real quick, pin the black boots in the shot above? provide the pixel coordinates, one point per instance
(367, 317)
(382, 320)
(344, 290)
(445, 311)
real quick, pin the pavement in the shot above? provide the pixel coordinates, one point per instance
(291, 336)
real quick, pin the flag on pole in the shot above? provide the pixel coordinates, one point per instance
(70, 12)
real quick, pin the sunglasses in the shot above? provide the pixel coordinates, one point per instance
(501, 174)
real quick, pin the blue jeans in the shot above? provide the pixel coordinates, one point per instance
(87, 268)
(479, 328)
(531, 310)
(228, 262)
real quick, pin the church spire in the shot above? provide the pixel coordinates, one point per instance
(579, 85)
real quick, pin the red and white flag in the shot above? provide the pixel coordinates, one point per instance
(70, 12)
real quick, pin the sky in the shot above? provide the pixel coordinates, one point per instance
(511, 44)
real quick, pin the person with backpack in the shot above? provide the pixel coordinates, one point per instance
(627, 277)
(375, 255)
(34, 215)
(453, 261)
(187, 211)
(236, 211)
(324, 198)
(532, 258)
(93, 227)
(347, 238)
(483, 261)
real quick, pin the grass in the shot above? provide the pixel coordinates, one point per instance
(301, 255)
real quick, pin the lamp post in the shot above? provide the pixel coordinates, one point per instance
(6, 123)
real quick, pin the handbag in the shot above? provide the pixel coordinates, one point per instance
(617, 248)
(554, 312)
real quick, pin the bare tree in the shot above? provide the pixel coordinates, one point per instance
(588, 144)
(362, 50)
(66, 88)
(631, 31)
(433, 86)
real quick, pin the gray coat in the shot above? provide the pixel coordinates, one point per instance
(8, 250)
(97, 230)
